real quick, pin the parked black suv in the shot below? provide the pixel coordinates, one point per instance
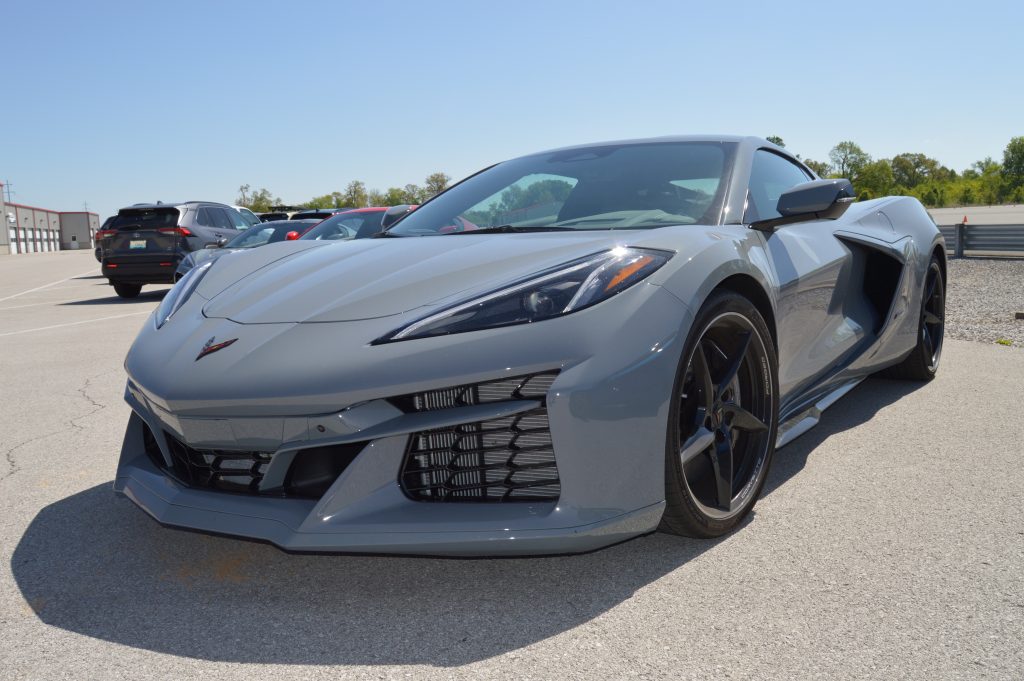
(150, 239)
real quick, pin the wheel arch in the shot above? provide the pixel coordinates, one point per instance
(748, 287)
(939, 251)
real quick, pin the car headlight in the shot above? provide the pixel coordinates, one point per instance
(180, 292)
(552, 293)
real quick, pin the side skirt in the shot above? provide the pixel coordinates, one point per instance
(804, 420)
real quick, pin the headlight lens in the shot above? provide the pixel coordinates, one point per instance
(180, 293)
(553, 293)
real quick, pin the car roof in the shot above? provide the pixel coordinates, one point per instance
(172, 204)
(724, 139)
(281, 223)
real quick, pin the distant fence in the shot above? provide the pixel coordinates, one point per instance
(989, 238)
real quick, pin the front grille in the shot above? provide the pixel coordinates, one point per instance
(505, 459)
(229, 470)
(311, 473)
(532, 387)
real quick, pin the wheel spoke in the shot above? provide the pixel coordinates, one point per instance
(721, 462)
(926, 337)
(931, 318)
(696, 444)
(932, 283)
(742, 419)
(735, 361)
(702, 375)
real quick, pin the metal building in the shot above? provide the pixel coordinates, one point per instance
(28, 229)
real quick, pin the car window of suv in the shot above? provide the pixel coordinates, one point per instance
(770, 175)
(237, 221)
(203, 218)
(220, 217)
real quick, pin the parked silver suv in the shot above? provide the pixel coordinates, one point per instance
(150, 239)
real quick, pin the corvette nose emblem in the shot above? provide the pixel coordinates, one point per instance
(212, 347)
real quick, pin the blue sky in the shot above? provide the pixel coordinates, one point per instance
(114, 103)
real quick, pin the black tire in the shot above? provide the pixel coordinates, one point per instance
(733, 331)
(127, 290)
(922, 363)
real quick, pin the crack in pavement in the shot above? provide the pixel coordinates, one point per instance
(12, 464)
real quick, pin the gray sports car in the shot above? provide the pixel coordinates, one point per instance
(561, 352)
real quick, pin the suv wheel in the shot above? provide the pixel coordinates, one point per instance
(127, 290)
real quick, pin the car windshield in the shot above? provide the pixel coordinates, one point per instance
(268, 233)
(616, 186)
(145, 218)
(347, 226)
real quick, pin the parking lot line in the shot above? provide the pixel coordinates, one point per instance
(84, 321)
(40, 288)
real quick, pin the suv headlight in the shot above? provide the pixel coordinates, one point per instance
(552, 293)
(180, 293)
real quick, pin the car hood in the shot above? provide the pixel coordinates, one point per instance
(196, 258)
(368, 278)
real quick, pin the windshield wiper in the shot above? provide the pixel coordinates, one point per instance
(515, 229)
(385, 235)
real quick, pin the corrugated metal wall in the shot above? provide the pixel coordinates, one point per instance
(39, 230)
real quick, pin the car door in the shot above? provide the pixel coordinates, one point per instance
(807, 261)
(206, 224)
(216, 223)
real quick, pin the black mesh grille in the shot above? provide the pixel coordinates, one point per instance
(233, 471)
(532, 387)
(310, 474)
(505, 459)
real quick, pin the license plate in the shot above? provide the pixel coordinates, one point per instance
(137, 244)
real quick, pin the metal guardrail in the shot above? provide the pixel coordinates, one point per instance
(989, 238)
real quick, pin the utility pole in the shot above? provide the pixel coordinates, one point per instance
(7, 188)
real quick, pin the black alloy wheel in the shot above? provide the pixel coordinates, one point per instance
(723, 422)
(923, 361)
(933, 316)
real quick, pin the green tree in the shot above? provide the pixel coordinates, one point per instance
(258, 201)
(820, 168)
(875, 179)
(1013, 163)
(990, 185)
(776, 140)
(910, 170)
(435, 184)
(413, 194)
(261, 201)
(848, 159)
(332, 200)
(394, 196)
(355, 195)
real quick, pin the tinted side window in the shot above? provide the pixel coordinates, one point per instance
(770, 175)
(237, 221)
(220, 218)
(203, 218)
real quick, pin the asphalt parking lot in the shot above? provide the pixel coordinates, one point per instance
(889, 544)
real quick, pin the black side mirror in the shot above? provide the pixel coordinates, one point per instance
(394, 214)
(816, 200)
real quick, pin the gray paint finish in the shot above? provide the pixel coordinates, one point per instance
(306, 314)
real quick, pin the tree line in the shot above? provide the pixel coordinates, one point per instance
(355, 195)
(986, 182)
